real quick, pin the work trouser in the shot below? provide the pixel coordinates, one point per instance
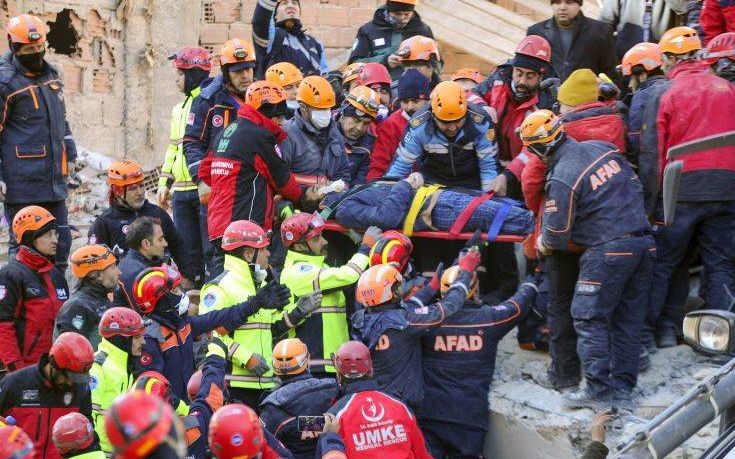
(711, 223)
(58, 210)
(563, 269)
(453, 441)
(609, 309)
(191, 223)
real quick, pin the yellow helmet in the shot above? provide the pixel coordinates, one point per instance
(540, 131)
(365, 100)
(316, 92)
(449, 277)
(679, 40)
(449, 101)
(283, 74)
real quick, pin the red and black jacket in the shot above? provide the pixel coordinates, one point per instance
(31, 294)
(36, 405)
(245, 171)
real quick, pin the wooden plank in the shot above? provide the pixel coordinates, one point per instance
(470, 21)
(467, 44)
(500, 12)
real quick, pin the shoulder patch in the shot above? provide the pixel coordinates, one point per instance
(77, 322)
(420, 119)
(210, 299)
(100, 357)
(490, 134)
(305, 267)
(93, 382)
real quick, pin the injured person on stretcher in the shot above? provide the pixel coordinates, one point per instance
(410, 206)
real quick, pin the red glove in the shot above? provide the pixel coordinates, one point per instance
(469, 261)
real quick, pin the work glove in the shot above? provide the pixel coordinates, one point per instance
(162, 195)
(257, 365)
(371, 236)
(542, 249)
(469, 261)
(204, 191)
(435, 282)
(474, 241)
(309, 303)
(272, 296)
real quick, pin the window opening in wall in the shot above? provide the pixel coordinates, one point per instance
(62, 37)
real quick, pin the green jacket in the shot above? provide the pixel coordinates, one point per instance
(174, 168)
(326, 328)
(89, 455)
(232, 287)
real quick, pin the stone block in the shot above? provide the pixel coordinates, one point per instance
(214, 33)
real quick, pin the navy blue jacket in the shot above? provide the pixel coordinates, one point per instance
(210, 114)
(35, 138)
(358, 153)
(459, 359)
(132, 264)
(301, 395)
(393, 335)
(592, 196)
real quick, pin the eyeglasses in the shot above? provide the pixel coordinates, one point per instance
(371, 105)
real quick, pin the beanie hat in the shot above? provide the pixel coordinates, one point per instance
(559, 1)
(273, 110)
(580, 88)
(30, 236)
(413, 85)
(394, 7)
(530, 63)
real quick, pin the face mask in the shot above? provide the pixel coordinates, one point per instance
(292, 104)
(184, 305)
(32, 62)
(260, 274)
(321, 118)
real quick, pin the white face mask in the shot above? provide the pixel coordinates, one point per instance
(184, 305)
(260, 273)
(321, 118)
(292, 104)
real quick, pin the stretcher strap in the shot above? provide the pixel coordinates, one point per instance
(465, 215)
(500, 216)
(416, 205)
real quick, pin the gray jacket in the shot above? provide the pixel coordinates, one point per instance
(311, 152)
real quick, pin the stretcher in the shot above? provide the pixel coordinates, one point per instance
(442, 235)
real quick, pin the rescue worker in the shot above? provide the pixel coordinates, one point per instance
(244, 170)
(720, 55)
(372, 423)
(421, 53)
(455, 360)
(74, 437)
(306, 272)
(300, 394)
(615, 270)
(376, 77)
(146, 249)
(393, 247)
(279, 36)
(217, 105)
(454, 143)
(356, 119)
(350, 75)
(31, 290)
(705, 209)
(313, 146)
(38, 154)
(379, 39)
(117, 357)
(288, 76)
(392, 328)
(413, 95)
(169, 339)
(716, 18)
(15, 444)
(38, 395)
(192, 68)
(127, 203)
(468, 78)
(240, 421)
(249, 347)
(94, 266)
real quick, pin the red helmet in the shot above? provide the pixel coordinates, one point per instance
(15, 443)
(235, 432)
(189, 58)
(391, 247)
(121, 322)
(194, 384)
(138, 423)
(72, 432)
(373, 73)
(153, 382)
(301, 227)
(153, 284)
(73, 353)
(244, 233)
(535, 46)
(353, 360)
(723, 45)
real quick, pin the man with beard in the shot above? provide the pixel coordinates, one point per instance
(378, 40)
(286, 41)
(413, 95)
(356, 120)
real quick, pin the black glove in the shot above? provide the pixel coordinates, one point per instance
(272, 296)
(475, 241)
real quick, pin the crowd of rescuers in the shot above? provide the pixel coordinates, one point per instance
(222, 319)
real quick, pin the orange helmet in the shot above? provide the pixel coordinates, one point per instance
(290, 357)
(449, 101)
(365, 100)
(90, 258)
(407, 2)
(449, 277)
(316, 92)
(352, 72)
(25, 29)
(72, 432)
(418, 48)
(235, 432)
(29, 220)
(284, 74)
(679, 40)
(15, 443)
(264, 92)
(375, 286)
(469, 74)
(540, 131)
(645, 54)
(237, 51)
(124, 173)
